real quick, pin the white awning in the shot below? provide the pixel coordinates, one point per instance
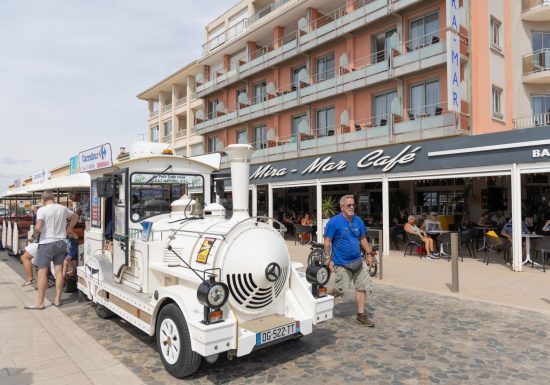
(67, 183)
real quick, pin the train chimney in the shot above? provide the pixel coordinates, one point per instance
(239, 158)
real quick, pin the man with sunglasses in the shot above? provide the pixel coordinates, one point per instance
(345, 236)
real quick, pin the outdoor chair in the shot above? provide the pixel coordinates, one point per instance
(542, 246)
(467, 239)
(383, 122)
(506, 247)
(438, 111)
(395, 232)
(412, 241)
(411, 116)
(301, 231)
(492, 246)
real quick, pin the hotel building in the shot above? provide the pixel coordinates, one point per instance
(325, 89)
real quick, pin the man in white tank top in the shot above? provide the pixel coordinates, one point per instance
(51, 224)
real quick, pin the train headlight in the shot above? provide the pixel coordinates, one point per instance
(318, 274)
(212, 294)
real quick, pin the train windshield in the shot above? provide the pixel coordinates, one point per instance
(152, 194)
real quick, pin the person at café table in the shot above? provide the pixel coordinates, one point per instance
(307, 221)
(431, 223)
(411, 228)
(546, 227)
(507, 231)
(484, 219)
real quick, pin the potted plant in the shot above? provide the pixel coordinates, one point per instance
(328, 209)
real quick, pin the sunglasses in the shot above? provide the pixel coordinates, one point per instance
(351, 205)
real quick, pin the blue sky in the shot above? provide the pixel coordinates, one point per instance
(70, 71)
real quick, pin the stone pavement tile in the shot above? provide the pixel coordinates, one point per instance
(78, 378)
(117, 374)
(36, 357)
(51, 369)
(90, 357)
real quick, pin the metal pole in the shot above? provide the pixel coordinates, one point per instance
(380, 255)
(454, 262)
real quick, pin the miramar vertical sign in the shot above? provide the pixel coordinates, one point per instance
(453, 56)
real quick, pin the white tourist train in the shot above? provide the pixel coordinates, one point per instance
(160, 255)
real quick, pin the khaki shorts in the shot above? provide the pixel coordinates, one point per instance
(343, 277)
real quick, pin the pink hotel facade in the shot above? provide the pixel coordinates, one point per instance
(318, 78)
(365, 72)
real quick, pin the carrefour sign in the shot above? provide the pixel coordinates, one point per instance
(96, 158)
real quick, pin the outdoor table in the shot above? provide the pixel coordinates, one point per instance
(528, 247)
(486, 228)
(438, 232)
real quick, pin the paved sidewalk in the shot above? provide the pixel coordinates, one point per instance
(495, 283)
(47, 347)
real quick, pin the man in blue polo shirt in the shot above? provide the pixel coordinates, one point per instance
(345, 235)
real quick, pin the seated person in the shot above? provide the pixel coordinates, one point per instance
(546, 227)
(498, 218)
(411, 228)
(306, 221)
(431, 223)
(484, 219)
(71, 258)
(507, 232)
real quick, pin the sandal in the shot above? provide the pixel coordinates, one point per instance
(28, 283)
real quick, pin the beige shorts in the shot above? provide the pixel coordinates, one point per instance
(343, 278)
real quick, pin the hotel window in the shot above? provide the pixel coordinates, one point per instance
(155, 134)
(242, 136)
(294, 75)
(425, 99)
(381, 45)
(495, 34)
(212, 104)
(541, 109)
(260, 136)
(382, 107)
(167, 128)
(325, 67)
(325, 121)
(216, 70)
(540, 42)
(497, 102)
(296, 121)
(423, 31)
(259, 92)
(213, 144)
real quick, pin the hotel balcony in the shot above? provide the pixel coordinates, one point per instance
(405, 58)
(265, 14)
(536, 67)
(535, 10)
(422, 123)
(536, 120)
(334, 24)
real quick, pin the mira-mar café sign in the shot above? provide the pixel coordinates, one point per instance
(504, 148)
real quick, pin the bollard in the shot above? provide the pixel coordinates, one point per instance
(454, 262)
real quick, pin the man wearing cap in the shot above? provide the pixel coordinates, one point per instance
(51, 224)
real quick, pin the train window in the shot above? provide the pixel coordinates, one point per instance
(152, 194)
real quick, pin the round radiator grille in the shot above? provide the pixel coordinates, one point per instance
(247, 294)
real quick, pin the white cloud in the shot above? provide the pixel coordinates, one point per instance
(70, 71)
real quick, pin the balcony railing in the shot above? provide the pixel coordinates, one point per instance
(542, 119)
(181, 101)
(181, 133)
(240, 27)
(153, 114)
(329, 26)
(527, 5)
(167, 108)
(166, 138)
(361, 133)
(536, 62)
(359, 73)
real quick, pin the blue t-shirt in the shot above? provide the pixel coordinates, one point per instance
(345, 236)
